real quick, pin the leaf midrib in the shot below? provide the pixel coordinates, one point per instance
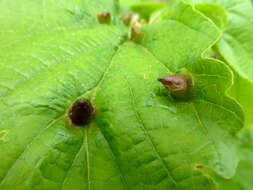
(96, 89)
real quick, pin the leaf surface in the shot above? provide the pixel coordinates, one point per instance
(245, 167)
(140, 138)
(236, 47)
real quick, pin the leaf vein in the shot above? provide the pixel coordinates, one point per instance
(72, 163)
(52, 122)
(221, 107)
(148, 135)
(32, 140)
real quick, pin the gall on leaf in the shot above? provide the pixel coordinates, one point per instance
(80, 112)
(179, 85)
(136, 35)
(104, 18)
(126, 18)
(199, 167)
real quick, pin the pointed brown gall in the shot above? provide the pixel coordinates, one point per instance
(179, 85)
(80, 112)
(136, 35)
(104, 18)
(175, 83)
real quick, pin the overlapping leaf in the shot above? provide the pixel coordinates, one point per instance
(236, 47)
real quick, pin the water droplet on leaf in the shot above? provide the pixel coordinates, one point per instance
(81, 111)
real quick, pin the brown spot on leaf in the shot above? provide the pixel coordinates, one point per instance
(126, 18)
(81, 111)
(199, 166)
(104, 18)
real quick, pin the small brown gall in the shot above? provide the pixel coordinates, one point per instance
(80, 112)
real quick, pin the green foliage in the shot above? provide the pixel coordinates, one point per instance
(146, 9)
(55, 52)
(245, 168)
(235, 48)
(215, 12)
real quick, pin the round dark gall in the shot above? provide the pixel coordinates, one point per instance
(104, 18)
(80, 112)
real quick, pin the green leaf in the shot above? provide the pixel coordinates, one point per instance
(125, 5)
(215, 12)
(145, 9)
(140, 137)
(140, 4)
(242, 90)
(243, 178)
(223, 183)
(236, 47)
(245, 168)
(131, 2)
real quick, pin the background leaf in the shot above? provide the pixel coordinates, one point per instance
(146, 9)
(245, 168)
(215, 12)
(236, 47)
